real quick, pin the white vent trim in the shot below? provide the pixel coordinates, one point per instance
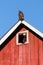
(20, 33)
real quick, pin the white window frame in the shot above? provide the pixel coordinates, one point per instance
(27, 37)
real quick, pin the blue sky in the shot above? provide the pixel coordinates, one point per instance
(32, 9)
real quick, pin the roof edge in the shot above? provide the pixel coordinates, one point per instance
(9, 32)
(33, 28)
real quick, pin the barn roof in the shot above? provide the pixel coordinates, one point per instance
(15, 26)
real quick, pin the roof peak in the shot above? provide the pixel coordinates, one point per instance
(14, 28)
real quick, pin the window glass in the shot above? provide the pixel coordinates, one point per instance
(22, 38)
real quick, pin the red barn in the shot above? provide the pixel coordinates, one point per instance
(22, 45)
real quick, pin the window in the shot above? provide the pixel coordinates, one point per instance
(22, 37)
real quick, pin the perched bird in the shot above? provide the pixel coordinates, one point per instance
(21, 15)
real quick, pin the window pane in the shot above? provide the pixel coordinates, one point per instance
(22, 38)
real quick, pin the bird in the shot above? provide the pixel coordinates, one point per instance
(21, 15)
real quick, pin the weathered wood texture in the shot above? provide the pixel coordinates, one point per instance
(25, 54)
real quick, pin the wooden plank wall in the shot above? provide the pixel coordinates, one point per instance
(28, 54)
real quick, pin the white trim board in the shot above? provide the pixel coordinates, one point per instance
(17, 43)
(9, 33)
(14, 27)
(33, 29)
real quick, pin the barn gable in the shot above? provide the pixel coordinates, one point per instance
(15, 29)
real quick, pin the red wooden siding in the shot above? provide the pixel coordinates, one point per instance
(27, 54)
